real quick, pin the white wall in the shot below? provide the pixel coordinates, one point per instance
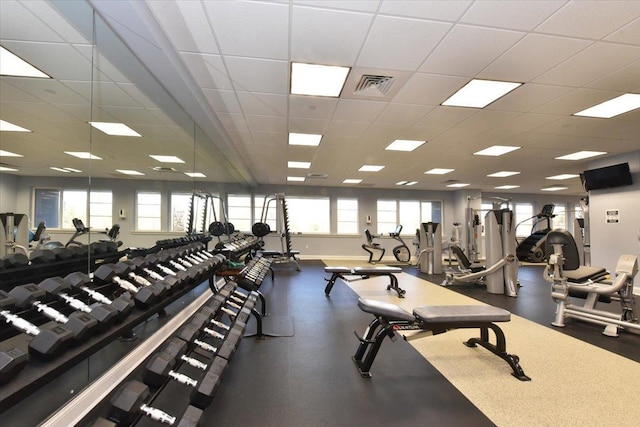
(8, 192)
(610, 240)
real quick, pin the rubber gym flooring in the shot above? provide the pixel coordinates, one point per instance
(308, 379)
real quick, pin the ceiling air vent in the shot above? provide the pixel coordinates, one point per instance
(165, 169)
(451, 181)
(374, 85)
(317, 175)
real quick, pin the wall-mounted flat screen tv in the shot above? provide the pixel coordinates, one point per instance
(607, 177)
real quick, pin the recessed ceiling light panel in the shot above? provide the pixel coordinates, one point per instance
(298, 165)
(129, 172)
(13, 65)
(458, 185)
(195, 174)
(83, 155)
(563, 176)
(317, 80)
(166, 159)
(496, 150)
(613, 107)
(438, 171)
(295, 178)
(370, 168)
(9, 154)
(480, 93)
(7, 169)
(556, 188)
(404, 145)
(503, 174)
(352, 181)
(310, 139)
(506, 187)
(580, 155)
(115, 129)
(10, 127)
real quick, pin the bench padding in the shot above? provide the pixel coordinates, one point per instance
(384, 309)
(370, 271)
(461, 314)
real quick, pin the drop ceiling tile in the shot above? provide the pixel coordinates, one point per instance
(447, 116)
(466, 50)
(518, 15)
(133, 91)
(11, 93)
(54, 91)
(526, 122)
(234, 122)
(251, 29)
(591, 20)
(186, 25)
(222, 100)
(59, 60)
(487, 119)
(19, 23)
(429, 89)
(387, 34)
(263, 104)
(313, 126)
(529, 97)
(350, 129)
(258, 75)
(207, 70)
(574, 101)
(266, 123)
(356, 5)
(312, 107)
(625, 79)
(436, 10)
(358, 111)
(531, 57)
(582, 68)
(403, 114)
(629, 33)
(327, 36)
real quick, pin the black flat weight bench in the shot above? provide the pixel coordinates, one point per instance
(363, 273)
(432, 320)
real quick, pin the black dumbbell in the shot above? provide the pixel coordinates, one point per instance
(130, 401)
(122, 304)
(11, 362)
(46, 343)
(103, 313)
(42, 256)
(169, 282)
(160, 368)
(80, 324)
(16, 260)
(144, 296)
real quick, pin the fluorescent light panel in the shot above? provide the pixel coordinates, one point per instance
(404, 145)
(166, 159)
(503, 174)
(65, 170)
(480, 93)
(9, 154)
(83, 155)
(553, 188)
(6, 169)
(438, 171)
(370, 168)
(10, 127)
(496, 150)
(563, 176)
(13, 65)
(295, 178)
(458, 185)
(580, 155)
(115, 129)
(195, 174)
(317, 80)
(613, 107)
(506, 187)
(309, 139)
(129, 172)
(352, 181)
(298, 165)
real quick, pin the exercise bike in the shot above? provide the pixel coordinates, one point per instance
(401, 252)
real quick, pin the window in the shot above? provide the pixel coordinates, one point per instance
(524, 219)
(560, 219)
(148, 211)
(180, 205)
(387, 216)
(410, 216)
(239, 211)
(347, 217)
(309, 215)
(58, 208)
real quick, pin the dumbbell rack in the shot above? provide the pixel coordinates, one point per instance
(172, 397)
(36, 374)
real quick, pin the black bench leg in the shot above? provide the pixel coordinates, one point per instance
(499, 349)
(263, 301)
(394, 285)
(365, 367)
(366, 339)
(332, 281)
(259, 334)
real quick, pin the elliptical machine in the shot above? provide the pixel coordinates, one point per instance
(401, 252)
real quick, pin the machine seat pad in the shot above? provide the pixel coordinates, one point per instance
(584, 273)
(273, 253)
(376, 270)
(385, 310)
(461, 313)
(341, 270)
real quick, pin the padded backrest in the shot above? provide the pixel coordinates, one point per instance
(569, 248)
(39, 231)
(462, 258)
(114, 232)
(368, 235)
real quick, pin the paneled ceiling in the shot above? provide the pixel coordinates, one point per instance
(227, 64)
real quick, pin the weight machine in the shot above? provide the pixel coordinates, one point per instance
(430, 244)
(501, 275)
(532, 248)
(15, 236)
(262, 228)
